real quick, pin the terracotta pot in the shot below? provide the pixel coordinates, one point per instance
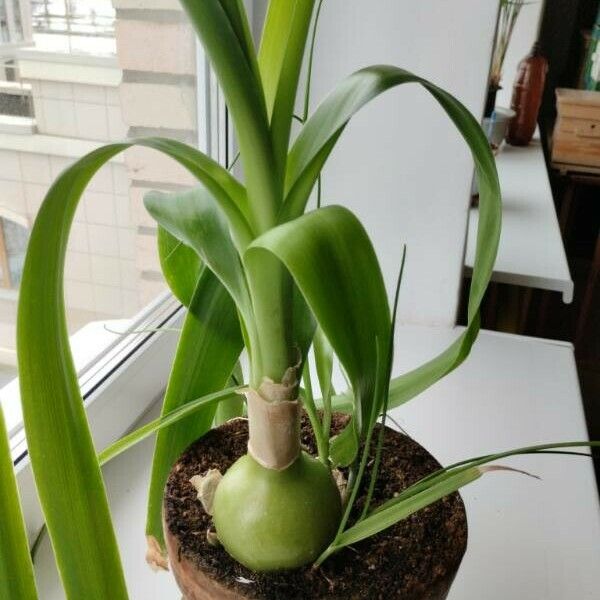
(416, 559)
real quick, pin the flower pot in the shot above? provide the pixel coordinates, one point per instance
(416, 559)
(490, 100)
(497, 125)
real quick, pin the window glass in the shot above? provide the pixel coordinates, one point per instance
(13, 244)
(76, 74)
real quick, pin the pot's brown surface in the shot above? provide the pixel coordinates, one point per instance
(415, 559)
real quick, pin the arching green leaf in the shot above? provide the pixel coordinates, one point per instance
(194, 218)
(330, 256)
(435, 486)
(227, 191)
(180, 265)
(62, 453)
(313, 146)
(185, 411)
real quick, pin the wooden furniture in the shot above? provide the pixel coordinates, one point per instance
(576, 176)
(528, 539)
(531, 252)
(576, 138)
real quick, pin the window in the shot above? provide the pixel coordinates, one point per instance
(74, 25)
(13, 245)
(84, 76)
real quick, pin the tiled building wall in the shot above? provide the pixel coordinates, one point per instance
(158, 96)
(101, 275)
(88, 112)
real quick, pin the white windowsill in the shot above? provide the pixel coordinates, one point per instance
(16, 88)
(93, 347)
(15, 125)
(512, 391)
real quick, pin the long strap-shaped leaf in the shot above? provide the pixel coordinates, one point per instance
(179, 264)
(314, 145)
(184, 412)
(62, 453)
(227, 191)
(16, 570)
(208, 349)
(280, 61)
(60, 446)
(331, 258)
(217, 22)
(435, 486)
(194, 218)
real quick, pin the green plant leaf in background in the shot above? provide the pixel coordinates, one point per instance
(194, 218)
(330, 256)
(208, 349)
(180, 266)
(16, 569)
(343, 447)
(280, 60)
(228, 409)
(324, 363)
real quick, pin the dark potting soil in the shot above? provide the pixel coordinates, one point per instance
(415, 559)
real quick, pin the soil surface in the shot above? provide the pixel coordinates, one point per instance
(415, 559)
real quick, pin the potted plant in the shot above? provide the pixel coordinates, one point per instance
(509, 14)
(282, 499)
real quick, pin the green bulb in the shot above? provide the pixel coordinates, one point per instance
(273, 520)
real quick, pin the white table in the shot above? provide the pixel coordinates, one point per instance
(528, 539)
(531, 251)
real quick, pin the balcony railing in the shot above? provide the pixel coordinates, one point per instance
(89, 18)
(71, 26)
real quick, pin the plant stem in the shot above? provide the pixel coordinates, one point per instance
(271, 292)
(326, 427)
(384, 410)
(321, 437)
(310, 62)
(361, 467)
(319, 191)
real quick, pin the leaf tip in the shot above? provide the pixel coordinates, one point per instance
(491, 468)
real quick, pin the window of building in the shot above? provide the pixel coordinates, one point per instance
(13, 245)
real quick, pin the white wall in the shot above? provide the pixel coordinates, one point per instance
(400, 165)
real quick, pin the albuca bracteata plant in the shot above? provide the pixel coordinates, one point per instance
(258, 271)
